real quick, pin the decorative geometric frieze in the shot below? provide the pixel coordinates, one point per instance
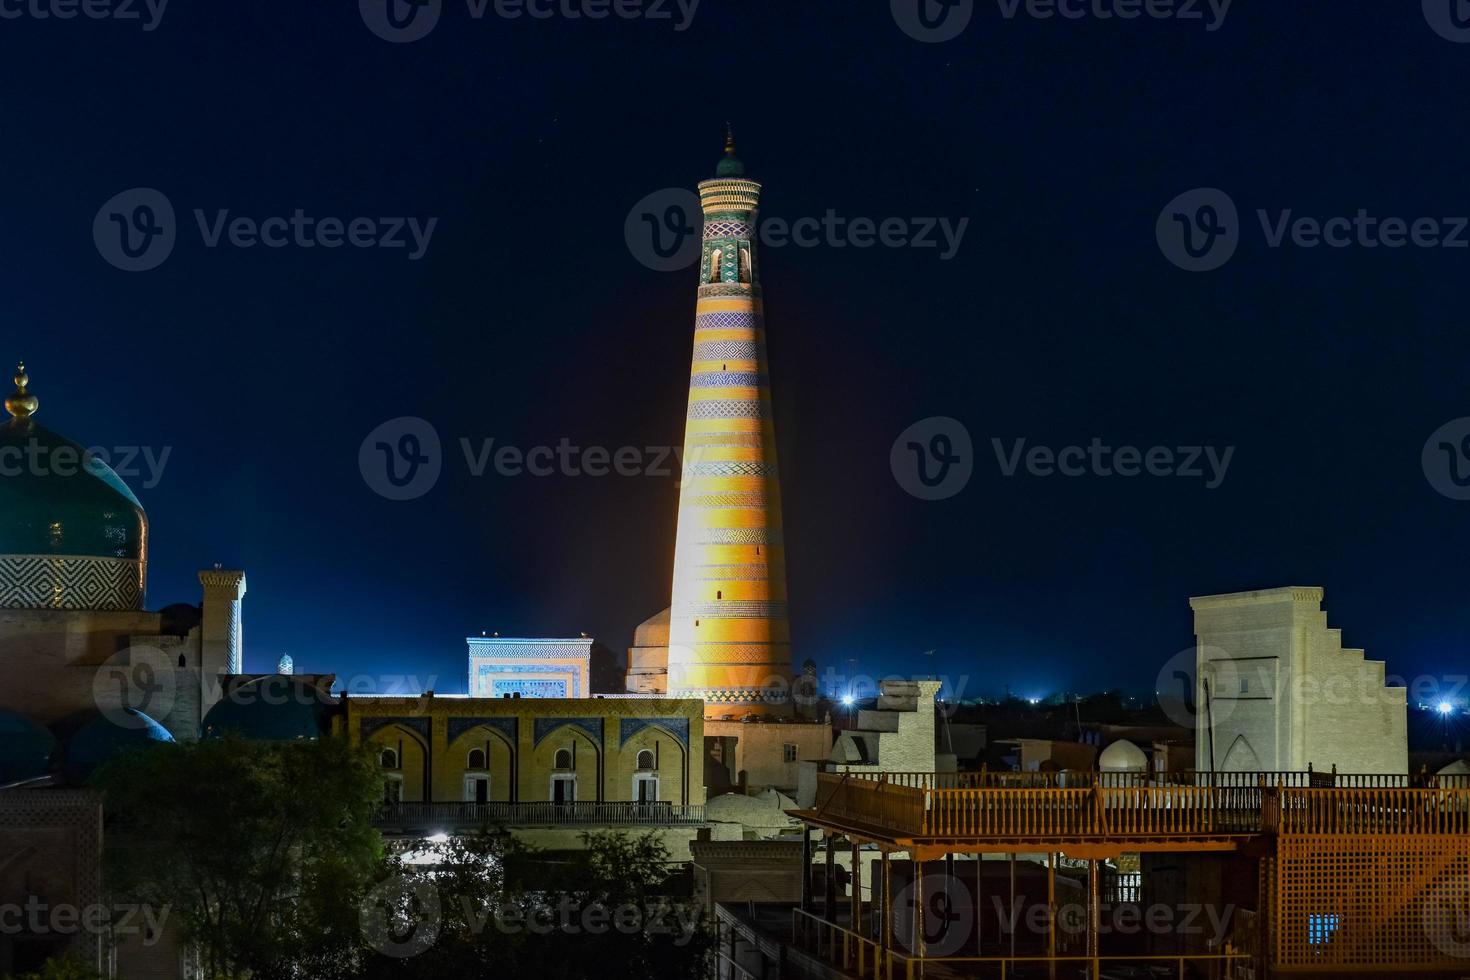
(743, 290)
(418, 725)
(70, 582)
(726, 695)
(727, 379)
(738, 535)
(733, 609)
(677, 727)
(728, 320)
(732, 573)
(506, 726)
(727, 229)
(727, 350)
(545, 726)
(727, 408)
(743, 440)
(729, 500)
(733, 467)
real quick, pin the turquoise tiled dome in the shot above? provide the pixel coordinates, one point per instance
(103, 739)
(26, 748)
(275, 708)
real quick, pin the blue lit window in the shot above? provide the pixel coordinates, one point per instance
(1320, 928)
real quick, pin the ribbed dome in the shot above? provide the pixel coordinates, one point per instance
(277, 708)
(72, 535)
(1122, 756)
(26, 748)
(103, 739)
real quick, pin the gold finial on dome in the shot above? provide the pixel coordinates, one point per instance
(21, 403)
(729, 140)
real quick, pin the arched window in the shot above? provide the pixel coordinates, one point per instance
(745, 265)
(645, 759)
(389, 758)
(714, 264)
(719, 593)
(476, 759)
(563, 759)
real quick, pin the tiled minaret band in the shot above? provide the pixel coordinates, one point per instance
(729, 640)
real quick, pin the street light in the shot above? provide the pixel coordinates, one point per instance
(1446, 708)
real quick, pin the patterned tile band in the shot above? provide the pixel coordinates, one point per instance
(727, 350)
(64, 582)
(739, 535)
(727, 408)
(734, 609)
(728, 320)
(730, 468)
(753, 498)
(726, 379)
(707, 440)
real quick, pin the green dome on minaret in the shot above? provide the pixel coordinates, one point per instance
(730, 167)
(72, 535)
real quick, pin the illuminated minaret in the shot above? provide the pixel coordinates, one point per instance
(729, 641)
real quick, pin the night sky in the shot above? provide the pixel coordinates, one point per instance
(529, 319)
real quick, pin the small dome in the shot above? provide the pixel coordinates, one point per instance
(1122, 756)
(272, 709)
(103, 739)
(26, 748)
(730, 167)
(1457, 768)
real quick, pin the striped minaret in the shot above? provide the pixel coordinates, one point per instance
(729, 641)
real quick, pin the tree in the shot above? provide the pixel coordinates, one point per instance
(262, 850)
(488, 907)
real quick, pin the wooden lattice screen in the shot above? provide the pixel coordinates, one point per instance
(1390, 902)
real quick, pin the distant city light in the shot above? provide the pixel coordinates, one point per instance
(1445, 707)
(1034, 700)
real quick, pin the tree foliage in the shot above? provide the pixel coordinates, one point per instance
(262, 850)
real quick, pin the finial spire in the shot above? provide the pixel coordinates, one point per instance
(729, 140)
(21, 403)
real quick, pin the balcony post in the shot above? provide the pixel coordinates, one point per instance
(885, 921)
(806, 868)
(1094, 912)
(918, 906)
(855, 905)
(1051, 918)
(829, 887)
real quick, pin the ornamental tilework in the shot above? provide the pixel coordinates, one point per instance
(729, 500)
(727, 408)
(506, 726)
(726, 379)
(419, 725)
(734, 609)
(730, 468)
(739, 535)
(543, 727)
(727, 320)
(64, 582)
(727, 350)
(678, 727)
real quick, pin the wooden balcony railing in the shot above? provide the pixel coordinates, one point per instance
(943, 805)
(448, 817)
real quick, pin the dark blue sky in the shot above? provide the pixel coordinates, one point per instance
(529, 320)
